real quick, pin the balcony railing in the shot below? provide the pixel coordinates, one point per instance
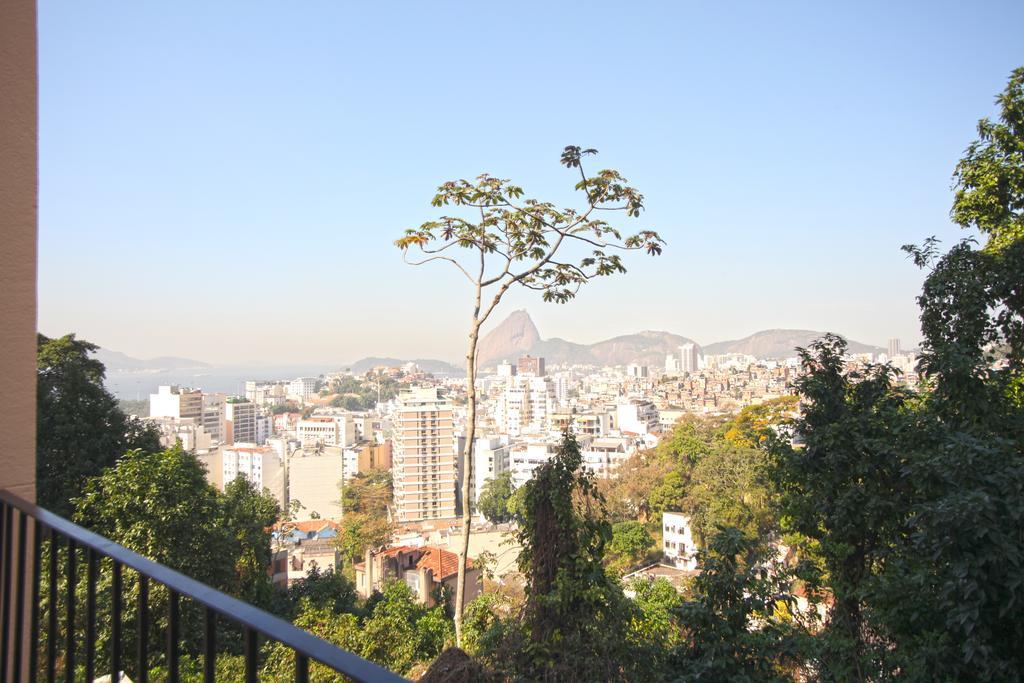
(23, 524)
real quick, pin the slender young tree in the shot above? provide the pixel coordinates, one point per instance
(502, 240)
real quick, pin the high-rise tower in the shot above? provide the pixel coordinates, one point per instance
(423, 462)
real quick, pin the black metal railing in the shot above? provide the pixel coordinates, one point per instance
(24, 657)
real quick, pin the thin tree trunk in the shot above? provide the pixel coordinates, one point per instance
(467, 471)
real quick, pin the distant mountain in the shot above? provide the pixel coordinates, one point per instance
(115, 361)
(779, 344)
(434, 367)
(517, 336)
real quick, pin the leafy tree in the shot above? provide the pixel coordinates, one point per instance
(575, 612)
(629, 495)
(988, 180)
(80, 430)
(732, 630)
(494, 498)
(657, 622)
(629, 544)
(161, 506)
(668, 494)
(728, 487)
(913, 502)
(248, 515)
(486, 562)
(513, 241)
(322, 589)
(368, 493)
(843, 488)
(359, 531)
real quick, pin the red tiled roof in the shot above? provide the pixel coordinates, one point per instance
(441, 563)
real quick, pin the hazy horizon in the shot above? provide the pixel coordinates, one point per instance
(224, 181)
(456, 356)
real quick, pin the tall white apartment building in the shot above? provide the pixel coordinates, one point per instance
(239, 421)
(894, 348)
(213, 415)
(490, 459)
(264, 428)
(302, 388)
(326, 430)
(525, 405)
(677, 541)
(260, 465)
(423, 456)
(560, 385)
(689, 357)
(177, 402)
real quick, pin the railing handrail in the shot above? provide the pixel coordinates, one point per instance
(303, 642)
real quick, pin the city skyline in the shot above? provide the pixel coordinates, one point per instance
(214, 201)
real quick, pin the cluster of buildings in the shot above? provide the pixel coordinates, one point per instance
(297, 456)
(285, 438)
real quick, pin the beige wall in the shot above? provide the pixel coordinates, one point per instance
(18, 196)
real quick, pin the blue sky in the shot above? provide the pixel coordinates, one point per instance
(224, 180)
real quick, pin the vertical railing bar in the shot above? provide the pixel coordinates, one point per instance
(250, 655)
(69, 657)
(5, 633)
(210, 647)
(37, 576)
(19, 610)
(173, 627)
(51, 636)
(301, 668)
(116, 622)
(143, 624)
(90, 615)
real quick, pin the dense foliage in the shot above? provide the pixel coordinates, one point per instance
(495, 497)
(80, 429)
(365, 524)
(362, 393)
(914, 505)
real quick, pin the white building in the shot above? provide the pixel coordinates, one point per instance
(326, 430)
(423, 456)
(604, 456)
(258, 464)
(315, 478)
(524, 405)
(490, 459)
(637, 371)
(525, 457)
(302, 388)
(506, 369)
(689, 357)
(239, 421)
(637, 416)
(677, 544)
(214, 415)
(177, 402)
(192, 435)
